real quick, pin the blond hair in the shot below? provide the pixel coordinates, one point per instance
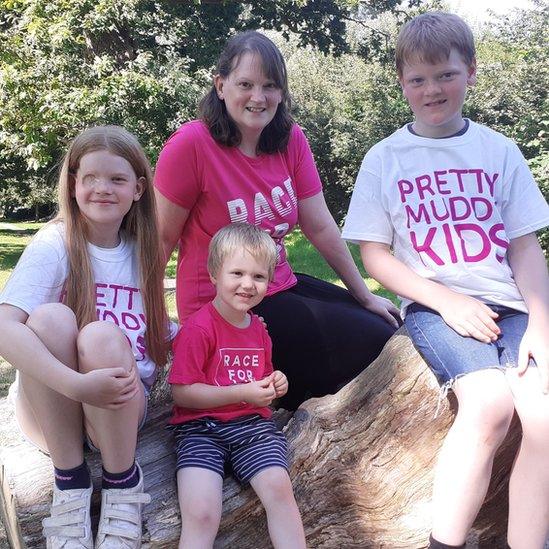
(431, 36)
(139, 224)
(237, 237)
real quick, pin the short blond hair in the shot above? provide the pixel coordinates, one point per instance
(431, 36)
(237, 237)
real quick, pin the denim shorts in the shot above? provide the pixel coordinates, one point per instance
(450, 355)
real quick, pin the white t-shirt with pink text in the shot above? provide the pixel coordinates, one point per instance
(220, 185)
(40, 275)
(449, 208)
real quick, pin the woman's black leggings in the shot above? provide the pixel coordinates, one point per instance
(322, 337)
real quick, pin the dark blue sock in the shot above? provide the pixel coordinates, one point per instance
(126, 479)
(71, 479)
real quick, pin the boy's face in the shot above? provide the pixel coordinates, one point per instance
(241, 284)
(436, 93)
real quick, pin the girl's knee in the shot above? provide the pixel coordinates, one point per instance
(53, 319)
(102, 344)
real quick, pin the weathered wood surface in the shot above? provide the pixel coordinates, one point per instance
(362, 464)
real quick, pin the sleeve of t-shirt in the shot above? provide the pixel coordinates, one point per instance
(40, 273)
(190, 354)
(177, 172)
(367, 218)
(302, 165)
(268, 346)
(524, 210)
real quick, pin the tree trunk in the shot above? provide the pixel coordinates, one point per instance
(362, 463)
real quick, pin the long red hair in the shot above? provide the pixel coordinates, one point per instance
(139, 224)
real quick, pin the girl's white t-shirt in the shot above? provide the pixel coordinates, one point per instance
(40, 275)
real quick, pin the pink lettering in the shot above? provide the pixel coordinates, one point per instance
(456, 214)
(493, 234)
(98, 294)
(439, 216)
(459, 173)
(115, 287)
(449, 242)
(441, 182)
(130, 321)
(421, 212)
(421, 187)
(405, 187)
(426, 246)
(491, 182)
(478, 203)
(461, 228)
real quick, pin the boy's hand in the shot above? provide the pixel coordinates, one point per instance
(107, 388)
(534, 344)
(280, 383)
(469, 317)
(259, 393)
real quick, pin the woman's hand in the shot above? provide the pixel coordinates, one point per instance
(107, 388)
(383, 307)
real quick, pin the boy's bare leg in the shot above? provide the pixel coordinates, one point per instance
(114, 432)
(465, 461)
(529, 484)
(199, 492)
(49, 419)
(274, 489)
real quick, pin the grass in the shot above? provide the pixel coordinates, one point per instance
(303, 257)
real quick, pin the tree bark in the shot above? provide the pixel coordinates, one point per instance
(362, 468)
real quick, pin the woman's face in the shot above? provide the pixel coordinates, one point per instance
(250, 97)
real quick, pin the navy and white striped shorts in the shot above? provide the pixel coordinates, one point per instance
(250, 444)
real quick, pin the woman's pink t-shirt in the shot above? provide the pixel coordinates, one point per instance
(220, 185)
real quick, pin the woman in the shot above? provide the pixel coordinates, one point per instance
(246, 160)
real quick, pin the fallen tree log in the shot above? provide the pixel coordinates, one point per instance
(362, 463)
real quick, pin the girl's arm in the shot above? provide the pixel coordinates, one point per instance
(200, 396)
(530, 271)
(466, 315)
(24, 350)
(171, 220)
(319, 227)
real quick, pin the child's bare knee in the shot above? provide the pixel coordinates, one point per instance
(202, 515)
(491, 419)
(53, 319)
(102, 344)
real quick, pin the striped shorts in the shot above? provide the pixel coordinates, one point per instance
(249, 444)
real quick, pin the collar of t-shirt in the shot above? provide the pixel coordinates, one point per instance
(457, 134)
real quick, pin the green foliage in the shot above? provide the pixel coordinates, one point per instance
(345, 106)
(65, 65)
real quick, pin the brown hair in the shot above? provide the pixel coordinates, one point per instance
(241, 236)
(429, 37)
(275, 136)
(139, 223)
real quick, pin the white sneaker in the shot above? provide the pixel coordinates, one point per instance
(120, 521)
(69, 526)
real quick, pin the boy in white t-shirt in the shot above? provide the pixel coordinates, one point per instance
(445, 212)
